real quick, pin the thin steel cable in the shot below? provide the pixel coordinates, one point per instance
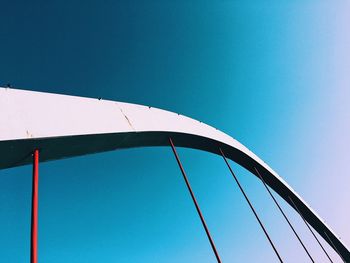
(195, 202)
(312, 232)
(334, 247)
(284, 215)
(251, 206)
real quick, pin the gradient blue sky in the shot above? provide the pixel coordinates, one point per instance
(275, 75)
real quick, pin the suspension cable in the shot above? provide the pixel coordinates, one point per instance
(251, 206)
(312, 232)
(195, 202)
(284, 215)
(35, 197)
(334, 247)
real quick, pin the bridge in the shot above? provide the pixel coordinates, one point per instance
(38, 127)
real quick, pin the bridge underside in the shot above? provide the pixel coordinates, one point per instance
(19, 152)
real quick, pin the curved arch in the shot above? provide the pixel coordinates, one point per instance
(64, 126)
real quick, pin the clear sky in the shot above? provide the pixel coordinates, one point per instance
(275, 75)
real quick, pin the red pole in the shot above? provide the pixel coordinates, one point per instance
(195, 202)
(34, 227)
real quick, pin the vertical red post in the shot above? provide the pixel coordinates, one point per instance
(34, 226)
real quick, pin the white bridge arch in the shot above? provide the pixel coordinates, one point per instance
(64, 126)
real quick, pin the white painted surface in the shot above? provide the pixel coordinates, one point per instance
(29, 114)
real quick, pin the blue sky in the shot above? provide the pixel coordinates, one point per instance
(274, 75)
